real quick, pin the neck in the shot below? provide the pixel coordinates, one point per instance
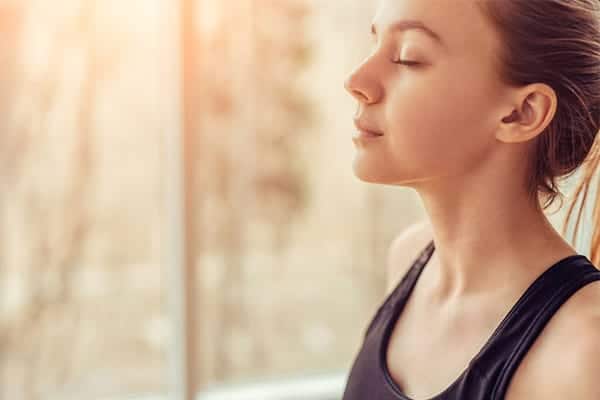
(485, 243)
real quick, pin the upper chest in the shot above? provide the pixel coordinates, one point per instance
(438, 345)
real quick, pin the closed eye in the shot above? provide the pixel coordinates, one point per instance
(405, 62)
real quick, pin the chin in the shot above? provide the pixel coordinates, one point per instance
(371, 174)
(380, 175)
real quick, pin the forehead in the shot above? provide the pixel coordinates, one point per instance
(460, 23)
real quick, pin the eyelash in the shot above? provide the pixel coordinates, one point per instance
(403, 62)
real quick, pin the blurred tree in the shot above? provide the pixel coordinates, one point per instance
(57, 220)
(252, 76)
(11, 26)
(11, 29)
(254, 117)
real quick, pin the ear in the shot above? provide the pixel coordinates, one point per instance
(533, 108)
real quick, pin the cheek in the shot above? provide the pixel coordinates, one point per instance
(437, 122)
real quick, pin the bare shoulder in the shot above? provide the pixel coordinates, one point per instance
(404, 249)
(564, 361)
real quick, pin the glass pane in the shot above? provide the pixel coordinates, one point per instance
(81, 299)
(292, 263)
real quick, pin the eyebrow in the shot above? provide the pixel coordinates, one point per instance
(407, 24)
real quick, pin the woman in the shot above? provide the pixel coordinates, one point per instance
(481, 106)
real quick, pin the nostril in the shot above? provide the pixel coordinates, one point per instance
(360, 95)
(363, 91)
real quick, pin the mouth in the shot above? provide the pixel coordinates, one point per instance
(365, 130)
(366, 133)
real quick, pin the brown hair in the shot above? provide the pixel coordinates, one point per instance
(556, 42)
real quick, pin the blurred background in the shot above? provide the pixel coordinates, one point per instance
(259, 262)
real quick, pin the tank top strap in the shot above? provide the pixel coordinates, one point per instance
(497, 363)
(404, 287)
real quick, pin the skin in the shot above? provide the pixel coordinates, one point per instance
(461, 137)
(458, 136)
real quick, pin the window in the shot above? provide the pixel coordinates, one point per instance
(174, 197)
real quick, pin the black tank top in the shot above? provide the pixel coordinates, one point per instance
(488, 374)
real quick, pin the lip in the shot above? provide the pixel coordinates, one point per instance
(363, 137)
(364, 134)
(366, 130)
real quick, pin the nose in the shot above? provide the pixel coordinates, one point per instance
(362, 87)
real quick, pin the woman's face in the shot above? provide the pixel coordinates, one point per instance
(438, 116)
